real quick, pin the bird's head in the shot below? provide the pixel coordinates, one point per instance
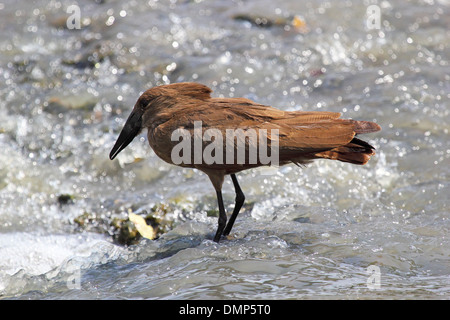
(149, 103)
(135, 122)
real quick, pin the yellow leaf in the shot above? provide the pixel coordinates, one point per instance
(142, 227)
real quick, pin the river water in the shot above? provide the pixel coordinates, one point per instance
(330, 230)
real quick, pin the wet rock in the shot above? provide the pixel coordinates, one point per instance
(128, 231)
(125, 231)
(90, 57)
(296, 22)
(65, 199)
(60, 22)
(258, 21)
(57, 104)
(23, 69)
(90, 222)
(212, 212)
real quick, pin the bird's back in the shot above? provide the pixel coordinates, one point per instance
(301, 136)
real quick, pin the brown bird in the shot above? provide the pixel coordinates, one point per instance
(223, 136)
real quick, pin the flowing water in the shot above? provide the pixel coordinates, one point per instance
(330, 230)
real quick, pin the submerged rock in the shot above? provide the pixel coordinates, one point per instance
(91, 56)
(64, 199)
(258, 21)
(298, 23)
(146, 225)
(82, 101)
(130, 230)
(127, 233)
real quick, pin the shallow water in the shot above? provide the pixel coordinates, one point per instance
(307, 233)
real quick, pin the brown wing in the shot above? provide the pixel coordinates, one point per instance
(302, 136)
(298, 131)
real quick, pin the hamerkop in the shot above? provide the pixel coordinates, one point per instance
(175, 111)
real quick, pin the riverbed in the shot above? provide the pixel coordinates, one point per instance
(327, 230)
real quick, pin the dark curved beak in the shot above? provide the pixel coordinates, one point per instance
(130, 130)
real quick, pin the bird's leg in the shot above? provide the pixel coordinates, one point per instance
(222, 217)
(239, 201)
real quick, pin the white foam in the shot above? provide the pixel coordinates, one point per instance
(38, 254)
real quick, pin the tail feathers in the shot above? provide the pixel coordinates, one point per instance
(356, 151)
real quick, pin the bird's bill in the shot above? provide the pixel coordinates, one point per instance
(130, 130)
